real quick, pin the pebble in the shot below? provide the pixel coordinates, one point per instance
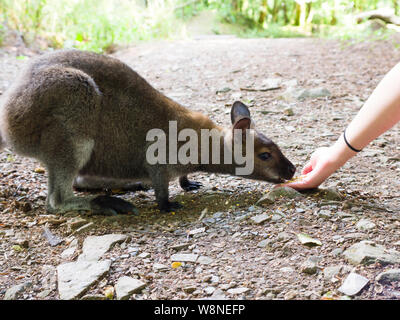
(389, 276)
(353, 284)
(278, 193)
(160, 267)
(260, 218)
(204, 260)
(239, 290)
(309, 266)
(184, 257)
(365, 225)
(209, 290)
(331, 271)
(126, 286)
(367, 252)
(13, 292)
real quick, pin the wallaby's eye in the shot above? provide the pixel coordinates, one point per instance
(264, 156)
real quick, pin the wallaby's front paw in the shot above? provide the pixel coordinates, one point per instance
(112, 206)
(189, 185)
(170, 206)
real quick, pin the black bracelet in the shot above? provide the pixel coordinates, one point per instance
(348, 144)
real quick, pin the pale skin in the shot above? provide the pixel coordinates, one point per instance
(379, 113)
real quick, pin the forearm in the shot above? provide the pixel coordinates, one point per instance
(380, 112)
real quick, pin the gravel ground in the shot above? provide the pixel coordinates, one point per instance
(237, 257)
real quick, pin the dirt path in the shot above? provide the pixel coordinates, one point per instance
(260, 261)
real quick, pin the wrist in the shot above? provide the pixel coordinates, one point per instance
(342, 152)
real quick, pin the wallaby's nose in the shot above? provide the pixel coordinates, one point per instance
(289, 172)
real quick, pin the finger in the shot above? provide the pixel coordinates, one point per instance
(307, 168)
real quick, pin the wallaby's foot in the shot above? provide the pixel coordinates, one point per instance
(189, 185)
(101, 205)
(112, 206)
(170, 206)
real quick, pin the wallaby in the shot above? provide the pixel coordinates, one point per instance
(85, 117)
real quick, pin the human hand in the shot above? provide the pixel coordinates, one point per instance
(324, 161)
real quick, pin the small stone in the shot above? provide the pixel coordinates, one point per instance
(204, 260)
(68, 253)
(276, 217)
(307, 240)
(209, 290)
(260, 218)
(367, 252)
(389, 276)
(289, 112)
(196, 231)
(325, 214)
(43, 294)
(353, 284)
(180, 246)
(286, 269)
(365, 225)
(309, 267)
(239, 290)
(290, 295)
(279, 193)
(264, 243)
(13, 292)
(184, 257)
(189, 289)
(126, 286)
(331, 271)
(160, 267)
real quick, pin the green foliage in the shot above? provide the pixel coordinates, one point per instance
(89, 24)
(98, 25)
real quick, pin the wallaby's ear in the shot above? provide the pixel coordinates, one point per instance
(239, 111)
(242, 124)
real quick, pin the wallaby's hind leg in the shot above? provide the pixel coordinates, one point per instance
(189, 185)
(61, 198)
(97, 184)
(63, 166)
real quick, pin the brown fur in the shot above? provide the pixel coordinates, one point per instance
(87, 115)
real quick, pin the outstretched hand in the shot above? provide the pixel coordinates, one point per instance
(323, 162)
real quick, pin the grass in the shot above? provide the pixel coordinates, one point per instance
(100, 25)
(89, 24)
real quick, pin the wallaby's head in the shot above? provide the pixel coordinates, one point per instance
(269, 162)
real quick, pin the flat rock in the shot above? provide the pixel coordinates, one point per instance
(13, 292)
(365, 224)
(184, 257)
(75, 278)
(258, 219)
(331, 271)
(239, 290)
(95, 246)
(278, 193)
(126, 286)
(389, 276)
(160, 267)
(353, 284)
(367, 252)
(307, 240)
(204, 260)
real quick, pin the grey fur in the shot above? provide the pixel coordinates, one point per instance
(85, 117)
